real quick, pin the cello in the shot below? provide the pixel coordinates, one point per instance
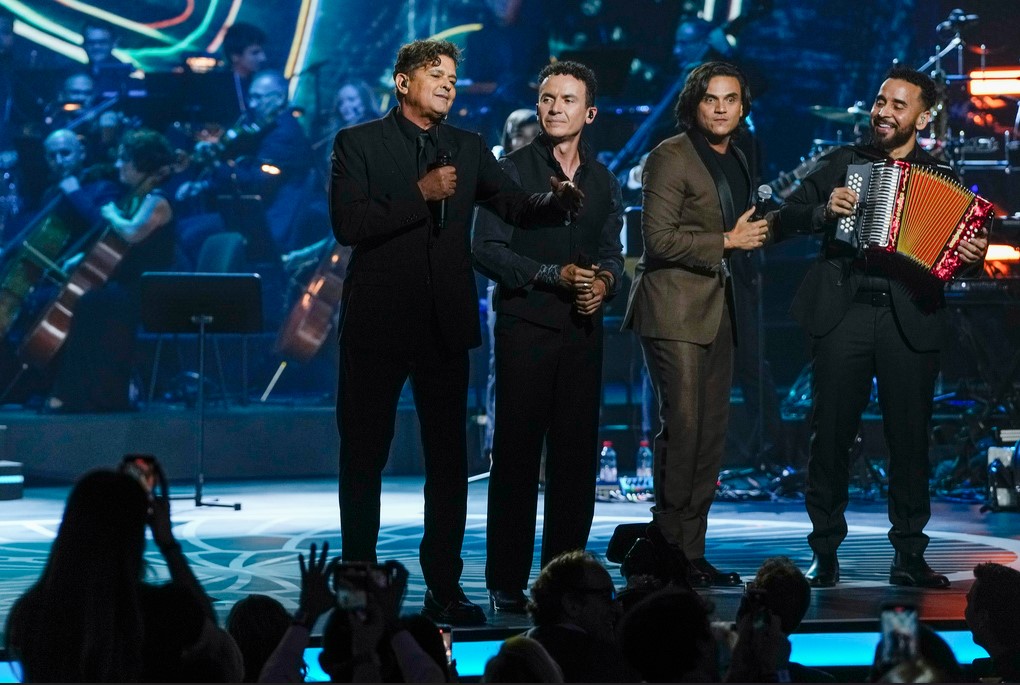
(311, 318)
(50, 331)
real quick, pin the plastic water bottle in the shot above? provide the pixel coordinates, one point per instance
(607, 481)
(643, 460)
(607, 464)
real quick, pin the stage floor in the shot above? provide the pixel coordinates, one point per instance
(254, 550)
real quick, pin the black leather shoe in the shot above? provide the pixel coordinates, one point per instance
(454, 610)
(912, 570)
(508, 601)
(824, 570)
(703, 574)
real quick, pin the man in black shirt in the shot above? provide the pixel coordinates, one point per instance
(865, 320)
(552, 281)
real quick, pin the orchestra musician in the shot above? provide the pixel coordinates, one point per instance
(94, 369)
(271, 157)
(867, 320)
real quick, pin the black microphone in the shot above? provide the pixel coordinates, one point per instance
(761, 207)
(443, 158)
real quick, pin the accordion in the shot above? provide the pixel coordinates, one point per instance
(912, 211)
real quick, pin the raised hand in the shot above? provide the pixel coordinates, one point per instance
(316, 597)
(571, 197)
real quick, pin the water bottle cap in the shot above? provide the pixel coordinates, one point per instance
(607, 443)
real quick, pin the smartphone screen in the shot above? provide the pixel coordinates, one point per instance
(899, 633)
(447, 634)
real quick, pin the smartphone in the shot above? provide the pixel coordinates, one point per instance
(147, 471)
(756, 606)
(361, 578)
(350, 599)
(447, 634)
(899, 633)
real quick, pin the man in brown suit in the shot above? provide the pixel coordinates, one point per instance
(697, 191)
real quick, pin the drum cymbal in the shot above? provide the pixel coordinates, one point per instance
(842, 115)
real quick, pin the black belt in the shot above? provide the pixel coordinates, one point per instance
(876, 298)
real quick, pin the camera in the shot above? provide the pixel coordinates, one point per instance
(359, 580)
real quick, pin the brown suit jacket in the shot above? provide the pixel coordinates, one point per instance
(679, 288)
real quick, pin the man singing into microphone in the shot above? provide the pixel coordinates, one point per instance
(410, 307)
(551, 284)
(696, 211)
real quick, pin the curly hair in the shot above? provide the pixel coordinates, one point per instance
(787, 591)
(423, 53)
(922, 81)
(578, 71)
(696, 86)
(149, 151)
(560, 577)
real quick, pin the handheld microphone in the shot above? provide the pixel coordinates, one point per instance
(762, 205)
(443, 158)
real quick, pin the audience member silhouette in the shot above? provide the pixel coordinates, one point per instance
(786, 594)
(257, 623)
(992, 617)
(574, 609)
(666, 638)
(522, 660)
(89, 617)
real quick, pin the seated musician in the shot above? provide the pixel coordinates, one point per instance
(868, 319)
(94, 368)
(269, 155)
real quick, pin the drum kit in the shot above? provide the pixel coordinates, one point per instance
(977, 122)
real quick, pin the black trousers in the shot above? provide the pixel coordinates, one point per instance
(867, 344)
(548, 389)
(369, 389)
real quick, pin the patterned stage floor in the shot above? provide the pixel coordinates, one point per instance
(254, 550)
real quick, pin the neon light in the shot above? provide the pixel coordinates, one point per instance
(186, 42)
(709, 13)
(235, 7)
(174, 21)
(28, 14)
(995, 82)
(47, 41)
(12, 480)
(116, 20)
(298, 46)
(736, 6)
(455, 30)
(1002, 253)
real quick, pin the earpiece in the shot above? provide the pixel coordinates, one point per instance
(591, 115)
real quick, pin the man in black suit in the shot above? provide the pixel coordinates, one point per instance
(870, 319)
(402, 194)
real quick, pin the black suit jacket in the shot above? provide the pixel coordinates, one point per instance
(829, 287)
(404, 271)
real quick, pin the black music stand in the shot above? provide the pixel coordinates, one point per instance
(202, 303)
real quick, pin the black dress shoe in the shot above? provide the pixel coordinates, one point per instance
(508, 601)
(454, 609)
(703, 574)
(824, 570)
(912, 570)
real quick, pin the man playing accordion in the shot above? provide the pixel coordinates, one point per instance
(871, 318)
